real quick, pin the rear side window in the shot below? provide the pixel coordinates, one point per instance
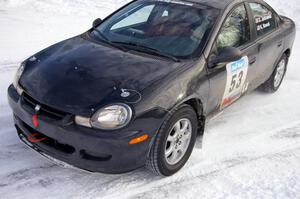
(235, 32)
(265, 19)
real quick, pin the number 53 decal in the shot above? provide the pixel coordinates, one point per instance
(235, 83)
(235, 78)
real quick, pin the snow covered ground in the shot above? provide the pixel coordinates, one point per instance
(251, 150)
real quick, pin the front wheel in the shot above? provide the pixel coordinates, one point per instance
(274, 82)
(174, 142)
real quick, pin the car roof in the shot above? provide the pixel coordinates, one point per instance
(220, 4)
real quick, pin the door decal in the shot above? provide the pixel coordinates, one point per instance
(236, 81)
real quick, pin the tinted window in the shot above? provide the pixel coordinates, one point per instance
(236, 29)
(265, 19)
(177, 29)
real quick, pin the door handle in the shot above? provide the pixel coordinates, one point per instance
(252, 61)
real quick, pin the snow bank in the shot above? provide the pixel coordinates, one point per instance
(67, 7)
(41, 23)
(289, 8)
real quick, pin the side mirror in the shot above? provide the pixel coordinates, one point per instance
(97, 22)
(226, 55)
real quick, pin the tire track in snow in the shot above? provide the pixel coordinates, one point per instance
(185, 178)
(213, 168)
(8, 67)
(24, 174)
(186, 182)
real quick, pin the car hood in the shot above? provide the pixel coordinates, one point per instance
(79, 76)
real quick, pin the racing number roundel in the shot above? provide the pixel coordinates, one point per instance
(236, 81)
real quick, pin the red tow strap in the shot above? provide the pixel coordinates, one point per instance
(32, 138)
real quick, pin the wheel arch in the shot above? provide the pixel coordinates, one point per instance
(287, 52)
(197, 105)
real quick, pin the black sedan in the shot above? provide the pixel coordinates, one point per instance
(137, 88)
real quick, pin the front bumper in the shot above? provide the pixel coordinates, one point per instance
(88, 149)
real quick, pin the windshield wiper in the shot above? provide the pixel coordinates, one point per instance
(104, 39)
(146, 49)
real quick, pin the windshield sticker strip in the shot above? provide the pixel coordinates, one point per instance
(259, 19)
(177, 2)
(263, 22)
(263, 26)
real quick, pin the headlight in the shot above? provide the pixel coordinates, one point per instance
(108, 118)
(17, 78)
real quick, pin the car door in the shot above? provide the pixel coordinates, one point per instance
(226, 85)
(268, 38)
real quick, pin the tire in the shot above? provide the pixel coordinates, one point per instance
(158, 160)
(273, 84)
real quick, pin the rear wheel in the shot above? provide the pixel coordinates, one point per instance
(274, 82)
(174, 142)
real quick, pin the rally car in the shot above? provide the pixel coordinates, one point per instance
(137, 88)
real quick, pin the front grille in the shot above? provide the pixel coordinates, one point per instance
(49, 142)
(53, 143)
(44, 110)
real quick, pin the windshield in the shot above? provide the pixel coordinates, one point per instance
(173, 28)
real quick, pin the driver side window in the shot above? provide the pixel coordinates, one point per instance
(236, 29)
